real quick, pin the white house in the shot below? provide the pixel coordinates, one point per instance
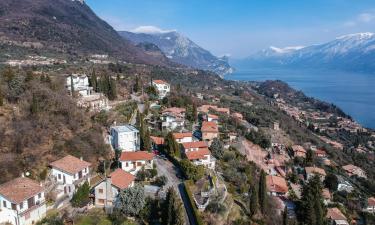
(198, 154)
(183, 137)
(132, 162)
(162, 87)
(370, 205)
(80, 83)
(125, 138)
(22, 202)
(70, 172)
(173, 118)
(106, 191)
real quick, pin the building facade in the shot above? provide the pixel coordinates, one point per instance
(125, 138)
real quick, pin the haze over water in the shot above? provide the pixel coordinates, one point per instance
(352, 92)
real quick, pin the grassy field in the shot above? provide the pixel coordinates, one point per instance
(97, 217)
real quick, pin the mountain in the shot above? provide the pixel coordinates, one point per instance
(63, 26)
(179, 49)
(353, 52)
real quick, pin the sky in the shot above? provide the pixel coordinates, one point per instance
(241, 27)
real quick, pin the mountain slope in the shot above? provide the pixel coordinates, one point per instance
(180, 49)
(63, 26)
(354, 52)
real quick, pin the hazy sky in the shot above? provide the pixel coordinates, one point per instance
(240, 27)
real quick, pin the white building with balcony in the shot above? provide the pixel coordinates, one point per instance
(162, 87)
(133, 162)
(80, 84)
(22, 202)
(125, 138)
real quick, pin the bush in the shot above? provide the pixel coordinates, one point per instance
(81, 196)
(191, 171)
(160, 181)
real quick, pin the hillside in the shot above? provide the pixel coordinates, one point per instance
(181, 49)
(62, 26)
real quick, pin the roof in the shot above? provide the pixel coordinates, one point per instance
(209, 127)
(335, 214)
(133, 156)
(326, 193)
(157, 140)
(174, 110)
(315, 170)
(70, 164)
(159, 82)
(213, 116)
(371, 202)
(206, 108)
(182, 135)
(124, 128)
(20, 189)
(238, 115)
(298, 148)
(121, 178)
(223, 110)
(350, 168)
(199, 154)
(276, 184)
(198, 144)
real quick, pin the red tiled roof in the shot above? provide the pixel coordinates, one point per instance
(276, 184)
(199, 154)
(315, 170)
(206, 108)
(70, 164)
(20, 189)
(298, 148)
(182, 135)
(198, 144)
(209, 127)
(350, 168)
(134, 156)
(319, 152)
(371, 202)
(335, 214)
(159, 82)
(121, 178)
(157, 140)
(174, 110)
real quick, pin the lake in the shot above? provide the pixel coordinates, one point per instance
(352, 92)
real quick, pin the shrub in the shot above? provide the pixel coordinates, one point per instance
(81, 196)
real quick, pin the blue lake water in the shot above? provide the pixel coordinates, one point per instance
(352, 92)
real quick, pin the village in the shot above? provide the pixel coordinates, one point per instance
(161, 147)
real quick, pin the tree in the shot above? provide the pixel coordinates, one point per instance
(285, 216)
(29, 76)
(217, 148)
(112, 90)
(34, 107)
(72, 86)
(8, 74)
(81, 196)
(309, 161)
(253, 200)
(191, 171)
(262, 191)
(130, 201)
(172, 147)
(331, 182)
(1, 96)
(174, 211)
(94, 81)
(137, 85)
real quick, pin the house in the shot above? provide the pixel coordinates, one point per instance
(107, 190)
(238, 116)
(223, 110)
(125, 138)
(22, 202)
(162, 87)
(173, 118)
(133, 162)
(370, 205)
(209, 131)
(157, 142)
(183, 137)
(212, 118)
(327, 196)
(69, 173)
(320, 153)
(344, 185)
(299, 151)
(80, 84)
(352, 170)
(276, 186)
(198, 154)
(204, 109)
(94, 102)
(312, 171)
(336, 217)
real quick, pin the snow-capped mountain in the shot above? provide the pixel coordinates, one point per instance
(179, 49)
(353, 52)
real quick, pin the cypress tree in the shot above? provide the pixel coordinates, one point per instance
(285, 216)
(94, 81)
(34, 107)
(1, 96)
(112, 92)
(253, 200)
(71, 86)
(179, 218)
(262, 191)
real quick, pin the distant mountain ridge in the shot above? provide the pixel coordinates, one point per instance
(353, 52)
(64, 26)
(179, 49)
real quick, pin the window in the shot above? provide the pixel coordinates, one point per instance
(5, 204)
(101, 191)
(127, 164)
(14, 206)
(21, 205)
(40, 195)
(85, 170)
(59, 176)
(30, 202)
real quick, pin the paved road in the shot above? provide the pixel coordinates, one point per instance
(167, 169)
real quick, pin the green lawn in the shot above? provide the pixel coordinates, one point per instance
(97, 217)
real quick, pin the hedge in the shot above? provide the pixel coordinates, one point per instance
(197, 215)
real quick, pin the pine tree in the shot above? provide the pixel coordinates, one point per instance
(262, 191)
(253, 200)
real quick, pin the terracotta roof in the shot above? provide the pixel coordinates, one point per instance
(209, 127)
(121, 178)
(319, 152)
(198, 144)
(159, 82)
(371, 202)
(335, 214)
(174, 110)
(182, 135)
(199, 154)
(157, 140)
(315, 170)
(70, 164)
(276, 184)
(298, 148)
(133, 156)
(326, 194)
(206, 108)
(350, 168)
(20, 189)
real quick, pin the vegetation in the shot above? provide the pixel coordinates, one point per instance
(174, 214)
(191, 171)
(217, 148)
(130, 201)
(172, 148)
(262, 191)
(81, 196)
(259, 138)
